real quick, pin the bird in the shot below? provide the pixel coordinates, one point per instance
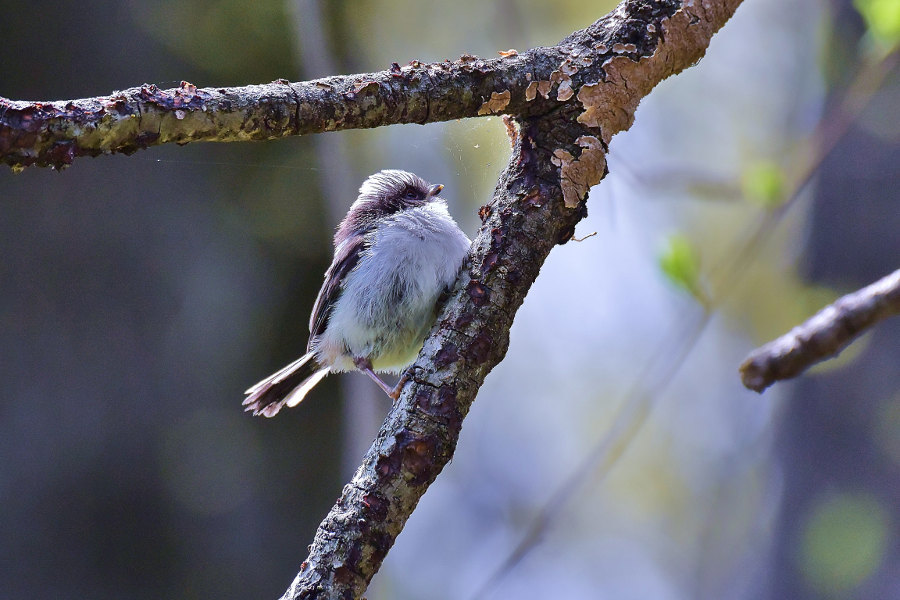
(395, 253)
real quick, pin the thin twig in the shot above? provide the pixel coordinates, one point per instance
(824, 335)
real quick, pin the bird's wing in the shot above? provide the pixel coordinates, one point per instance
(346, 256)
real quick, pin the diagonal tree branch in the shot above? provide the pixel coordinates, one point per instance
(564, 104)
(538, 200)
(824, 335)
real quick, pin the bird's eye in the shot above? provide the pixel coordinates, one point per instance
(410, 194)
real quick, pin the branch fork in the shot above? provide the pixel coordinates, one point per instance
(563, 106)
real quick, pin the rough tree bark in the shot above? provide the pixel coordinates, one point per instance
(564, 104)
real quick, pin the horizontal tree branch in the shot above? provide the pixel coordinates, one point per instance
(822, 336)
(532, 83)
(55, 133)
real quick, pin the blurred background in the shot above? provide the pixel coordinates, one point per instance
(613, 454)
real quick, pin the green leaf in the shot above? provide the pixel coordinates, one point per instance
(763, 182)
(681, 266)
(882, 19)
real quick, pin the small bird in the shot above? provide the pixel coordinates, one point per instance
(395, 253)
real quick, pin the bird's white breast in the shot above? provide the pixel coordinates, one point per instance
(387, 304)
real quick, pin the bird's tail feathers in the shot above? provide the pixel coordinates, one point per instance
(287, 386)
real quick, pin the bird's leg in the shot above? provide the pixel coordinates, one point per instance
(365, 365)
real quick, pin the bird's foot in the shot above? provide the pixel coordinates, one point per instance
(365, 365)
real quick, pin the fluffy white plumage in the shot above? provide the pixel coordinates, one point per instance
(412, 257)
(396, 251)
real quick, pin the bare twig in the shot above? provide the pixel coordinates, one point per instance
(824, 335)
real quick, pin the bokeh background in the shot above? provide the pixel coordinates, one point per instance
(613, 454)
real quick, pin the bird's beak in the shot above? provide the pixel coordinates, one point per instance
(435, 189)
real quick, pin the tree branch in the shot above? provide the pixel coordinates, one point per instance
(538, 200)
(824, 335)
(55, 133)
